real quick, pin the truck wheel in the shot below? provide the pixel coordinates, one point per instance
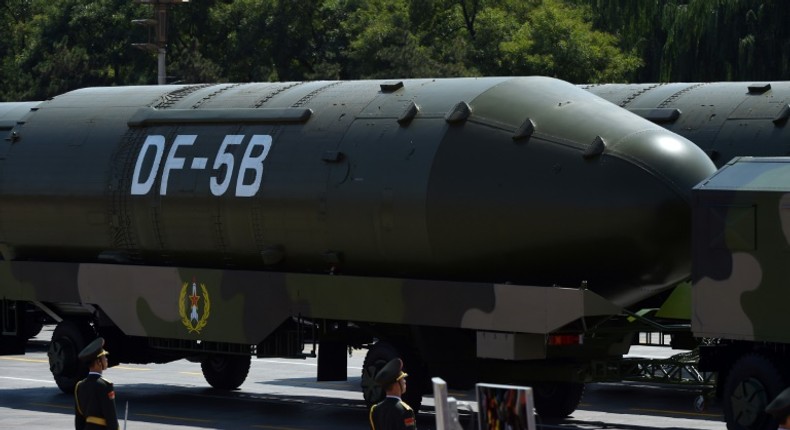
(417, 384)
(226, 372)
(555, 400)
(752, 383)
(68, 340)
(380, 354)
(33, 324)
(12, 345)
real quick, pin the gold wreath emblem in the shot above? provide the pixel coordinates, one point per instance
(182, 309)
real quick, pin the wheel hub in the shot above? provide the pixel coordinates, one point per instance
(62, 357)
(371, 391)
(748, 401)
(219, 364)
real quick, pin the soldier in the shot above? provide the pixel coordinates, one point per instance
(392, 413)
(779, 408)
(94, 398)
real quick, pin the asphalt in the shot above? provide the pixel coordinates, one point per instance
(284, 395)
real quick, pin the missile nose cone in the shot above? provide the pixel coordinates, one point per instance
(657, 218)
(670, 158)
(596, 194)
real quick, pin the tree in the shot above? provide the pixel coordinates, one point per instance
(558, 40)
(56, 46)
(395, 38)
(701, 40)
(53, 46)
(16, 34)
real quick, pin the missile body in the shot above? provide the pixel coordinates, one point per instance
(725, 119)
(526, 180)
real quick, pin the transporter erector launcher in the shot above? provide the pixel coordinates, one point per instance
(452, 220)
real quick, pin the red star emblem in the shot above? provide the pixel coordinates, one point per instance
(194, 299)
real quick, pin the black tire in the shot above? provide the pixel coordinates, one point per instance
(380, 354)
(12, 345)
(33, 325)
(752, 382)
(68, 339)
(226, 372)
(557, 400)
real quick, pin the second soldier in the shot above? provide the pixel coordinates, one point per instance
(392, 413)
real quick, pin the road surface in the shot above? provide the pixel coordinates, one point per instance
(283, 394)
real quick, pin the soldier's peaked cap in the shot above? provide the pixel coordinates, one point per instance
(94, 350)
(779, 408)
(391, 372)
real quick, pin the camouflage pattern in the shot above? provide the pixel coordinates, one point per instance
(246, 306)
(740, 251)
(740, 243)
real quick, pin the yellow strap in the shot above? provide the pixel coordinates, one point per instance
(370, 416)
(96, 420)
(77, 398)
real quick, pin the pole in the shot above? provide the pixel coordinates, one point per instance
(159, 26)
(161, 76)
(161, 40)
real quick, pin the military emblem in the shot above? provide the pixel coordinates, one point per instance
(196, 318)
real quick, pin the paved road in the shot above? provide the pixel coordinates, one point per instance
(283, 395)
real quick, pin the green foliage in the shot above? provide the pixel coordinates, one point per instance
(56, 46)
(558, 40)
(52, 46)
(701, 40)
(391, 39)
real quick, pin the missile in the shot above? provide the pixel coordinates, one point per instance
(528, 180)
(725, 119)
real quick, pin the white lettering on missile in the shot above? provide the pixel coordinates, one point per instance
(224, 158)
(199, 163)
(250, 163)
(249, 174)
(173, 162)
(157, 143)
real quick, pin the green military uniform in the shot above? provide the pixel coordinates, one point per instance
(94, 396)
(392, 413)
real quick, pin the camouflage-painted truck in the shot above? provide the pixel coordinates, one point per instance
(741, 274)
(488, 229)
(740, 229)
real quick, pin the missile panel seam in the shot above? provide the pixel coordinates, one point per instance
(273, 93)
(633, 96)
(149, 116)
(306, 99)
(679, 94)
(168, 100)
(210, 96)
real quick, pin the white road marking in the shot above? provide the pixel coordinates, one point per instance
(26, 379)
